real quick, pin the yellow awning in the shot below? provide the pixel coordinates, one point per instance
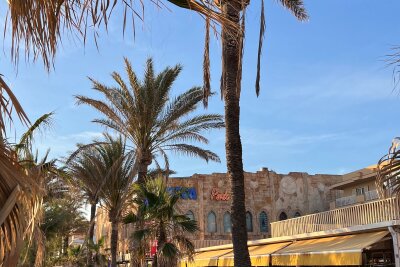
(259, 255)
(338, 250)
(206, 258)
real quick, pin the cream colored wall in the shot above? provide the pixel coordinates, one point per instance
(351, 189)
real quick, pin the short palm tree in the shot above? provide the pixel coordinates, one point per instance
(47, 178)
(389, 171)
(161, 221)
(119, 168)
(86, 173)
(155, 123)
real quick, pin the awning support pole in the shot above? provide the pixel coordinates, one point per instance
(396, 244)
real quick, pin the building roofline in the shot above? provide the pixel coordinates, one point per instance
(356, 177)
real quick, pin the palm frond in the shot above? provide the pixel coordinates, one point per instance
(191, 150)
(296, 7)
(260, 44)
(149, 117)
(25, 142)
(206, 65)
(8, 103)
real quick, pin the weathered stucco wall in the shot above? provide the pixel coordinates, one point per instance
(265, 191)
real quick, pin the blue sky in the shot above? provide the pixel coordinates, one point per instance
(327, 103)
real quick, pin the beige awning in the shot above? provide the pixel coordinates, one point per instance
(206, 258)
(259, 255)
(329, 251)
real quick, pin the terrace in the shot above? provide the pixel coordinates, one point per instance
(374, 213)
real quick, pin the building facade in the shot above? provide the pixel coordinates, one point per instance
(293, 219)
(270, 197)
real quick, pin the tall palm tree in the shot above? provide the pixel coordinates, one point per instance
(119, 167)
(161, 221)
(155, 123)
(86, 173)
(232, 54)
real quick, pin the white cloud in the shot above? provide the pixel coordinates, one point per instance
(279, 138)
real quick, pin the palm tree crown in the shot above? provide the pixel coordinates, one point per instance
(160, 220)
(144, 112)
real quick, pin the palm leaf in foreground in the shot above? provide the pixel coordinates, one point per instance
(19, 199)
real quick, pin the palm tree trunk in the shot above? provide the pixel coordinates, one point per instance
(233, 146)
(144, 163)
(114, 243)
(162, 238)
(65, 244)
(89, 259)
(142, 173)
(92, 221)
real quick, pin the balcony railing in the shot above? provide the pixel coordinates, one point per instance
(362, 214)
(371, 195)
(346, 201)
(351, 200)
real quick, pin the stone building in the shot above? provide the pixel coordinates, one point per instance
(359, 229)
(269, 197)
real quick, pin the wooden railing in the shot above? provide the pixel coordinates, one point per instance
(362, 214)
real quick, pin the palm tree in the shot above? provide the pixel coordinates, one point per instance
(229, 13)
(86, 174)
(232, 54)
(144, 112)
(46, 177)
(161, 221)
(119, 168)
(389, 171)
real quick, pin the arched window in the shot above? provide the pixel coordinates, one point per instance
(282, 216)
(249, 222)
(227, 223)
(211, 222)
(263, 222)
(297, 214)
(190, 215)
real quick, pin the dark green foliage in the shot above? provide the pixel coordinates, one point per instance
(160, 221)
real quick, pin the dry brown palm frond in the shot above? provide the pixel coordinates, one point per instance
(240, 37)
(40, 25)
(19, 199)
(18, 191)
(206, 65)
